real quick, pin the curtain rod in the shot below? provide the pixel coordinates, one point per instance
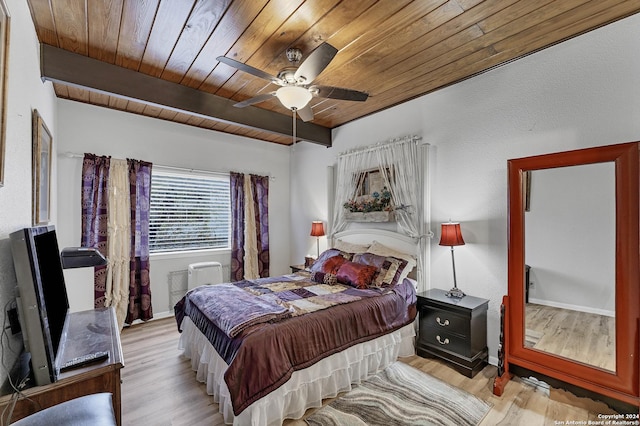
(181, 169)
(378, 145)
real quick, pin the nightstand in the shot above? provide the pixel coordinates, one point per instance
(454, 330)
(297, 268)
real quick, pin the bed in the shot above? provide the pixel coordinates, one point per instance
(269, 349)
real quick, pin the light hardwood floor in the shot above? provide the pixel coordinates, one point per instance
(159, 387)
(581, 336)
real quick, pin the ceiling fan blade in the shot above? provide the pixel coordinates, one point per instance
(339, 93)
(315, 63)
(248, 69)
(306, 113)
(255, 100)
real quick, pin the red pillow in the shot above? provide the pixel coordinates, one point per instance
(356, 274)
(329, 261)
(331, 265)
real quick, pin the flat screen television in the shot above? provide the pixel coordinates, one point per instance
(43, 303)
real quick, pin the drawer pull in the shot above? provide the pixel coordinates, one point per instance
(442, 342)
(444, 324)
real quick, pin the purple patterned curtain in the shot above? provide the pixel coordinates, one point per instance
(260, 188)
(139, 284)
(236, 181)
(95, 195)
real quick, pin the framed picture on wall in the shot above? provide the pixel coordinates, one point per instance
(42, 152)
(4, 66)
(371, 182)
(372, 199)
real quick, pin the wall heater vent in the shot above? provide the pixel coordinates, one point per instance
(177, 286)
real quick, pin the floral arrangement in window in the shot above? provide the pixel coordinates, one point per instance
(378, 201)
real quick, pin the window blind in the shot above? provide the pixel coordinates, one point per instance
(189, 212)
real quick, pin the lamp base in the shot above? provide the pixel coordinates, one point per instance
(455, 292)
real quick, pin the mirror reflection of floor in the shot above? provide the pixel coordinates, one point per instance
(581, 336)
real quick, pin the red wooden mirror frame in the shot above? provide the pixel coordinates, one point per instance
(624, 383)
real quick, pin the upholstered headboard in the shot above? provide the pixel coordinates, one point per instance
(392, 239)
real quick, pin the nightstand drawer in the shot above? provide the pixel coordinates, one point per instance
(446, 341)
(445, 321)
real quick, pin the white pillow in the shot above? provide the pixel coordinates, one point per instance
(382, 250)
(350, 247)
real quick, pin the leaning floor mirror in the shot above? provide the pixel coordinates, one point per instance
(573, 306)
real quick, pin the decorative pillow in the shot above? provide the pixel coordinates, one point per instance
(382, 250)
(350, 247)
(368, 259)
(325, 278)
(389, 268)
(329, 261)
(356, 274)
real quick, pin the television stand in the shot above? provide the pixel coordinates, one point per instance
(88, 332)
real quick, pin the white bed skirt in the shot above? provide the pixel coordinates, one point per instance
(306, 388)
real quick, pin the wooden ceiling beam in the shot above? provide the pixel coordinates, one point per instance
(64, 67)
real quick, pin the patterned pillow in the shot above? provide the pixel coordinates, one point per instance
(382, 250)
(356, 274)
(329, 261)
(389, 268)
(325, 278)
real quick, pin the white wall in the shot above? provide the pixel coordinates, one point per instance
(570, 240)
(85, 128)
(25, 92)
(581, 93)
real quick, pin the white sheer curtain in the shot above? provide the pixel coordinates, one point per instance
(347, 183)
(119, 237)
(399, 164)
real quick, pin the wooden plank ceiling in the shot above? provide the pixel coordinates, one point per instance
(394, 50)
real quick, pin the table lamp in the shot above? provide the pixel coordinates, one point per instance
(452, 236)
(317, 230)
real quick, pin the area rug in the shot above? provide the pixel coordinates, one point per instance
(402, 395)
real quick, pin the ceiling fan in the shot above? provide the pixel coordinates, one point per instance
(296, 89)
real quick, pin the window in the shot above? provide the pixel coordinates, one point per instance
(188, 212)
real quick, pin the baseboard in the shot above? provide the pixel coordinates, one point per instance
(162, 315)
(156, 316)
(572, 307)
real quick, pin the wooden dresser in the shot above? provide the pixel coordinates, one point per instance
(88, 332)
(454, 330)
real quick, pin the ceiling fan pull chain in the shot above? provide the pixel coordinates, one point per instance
(294, 126)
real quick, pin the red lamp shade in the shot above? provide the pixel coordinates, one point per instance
(317, 228)
(451, 235)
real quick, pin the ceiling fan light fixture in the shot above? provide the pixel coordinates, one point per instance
(293, 97)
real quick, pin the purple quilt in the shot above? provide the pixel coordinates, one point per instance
(233, 309)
